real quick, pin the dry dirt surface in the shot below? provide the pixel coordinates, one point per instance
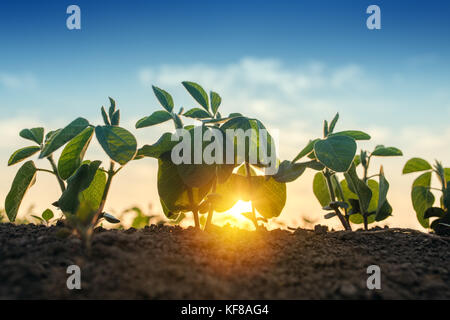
(162, 262)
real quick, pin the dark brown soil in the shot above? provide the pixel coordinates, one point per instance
(161, 262)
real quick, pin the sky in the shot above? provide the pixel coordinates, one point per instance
(291, 64)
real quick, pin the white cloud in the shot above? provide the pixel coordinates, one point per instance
(18, 81)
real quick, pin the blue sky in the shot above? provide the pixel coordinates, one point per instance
(290, 63)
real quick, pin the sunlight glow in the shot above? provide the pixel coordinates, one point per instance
(234, 216)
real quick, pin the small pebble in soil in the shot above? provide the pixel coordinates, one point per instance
(320, 229)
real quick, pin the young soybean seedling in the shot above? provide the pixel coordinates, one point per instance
(362, 208)
(84, 199)
(332, 154)
(423, 199)
(46, 217)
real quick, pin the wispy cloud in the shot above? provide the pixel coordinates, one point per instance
(18, 81)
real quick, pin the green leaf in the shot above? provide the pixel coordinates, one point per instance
(110, 218)
(197, 92)
(215, 101)
(383, 151)
(47, 215)
(415, 165)
(333, 123)
(288, 171)
(384, 210)
(434, 212)
(73, 153)
(24, 179)
(105, 117)
(22, 154)
(422, 199)
(156, 117)
(94, 193)
(119, 144)
(269, 197)
(81, 180)
(115, 119)
(306, 150)
(447, 174)
(164, 98)
(156, 150)
(197, 113)
(356, 185)
(112, 107)
(357, 135)
(34, 134)
(336, 152)
(173, 192)
(65, 135)
(320, 189)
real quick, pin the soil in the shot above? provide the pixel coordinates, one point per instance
(166, 262)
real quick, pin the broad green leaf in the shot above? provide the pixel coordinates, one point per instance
(197, 113)
(269, 197)
(247, 142)
(384, 210)
(119, 144)
(422, 199)
(73, 153)
(357, 135)
(47, 215)
(415, 165)
(336, 152)
(383, 151)
(320, 189)
(333, 123)
(94, 193)
(81, 180)
(288, 171)
(356, 185)
(173, 192)
(215, 101)
(163, 145)
(22, 154)
(373, 204)
(156, 117)
(195, 174)
(164, 98)
(65, 135)
(197, 92)
(434, 212)
(235, 188)
(447, 174)
(24, 179)
(306, 150)
(34, 134)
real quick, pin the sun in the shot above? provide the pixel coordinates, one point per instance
(234, 216)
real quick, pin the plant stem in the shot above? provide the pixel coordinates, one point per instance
(365, 222)
(105, 192)
(344, 222)
(211, 208)
(55, 171)
(366, 170)
(249, 177)
(194, 209)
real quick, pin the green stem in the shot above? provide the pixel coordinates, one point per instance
(194, 209)
(249, 177)
(55, 171)
(105, 192)
(211, 208)
(344, 222)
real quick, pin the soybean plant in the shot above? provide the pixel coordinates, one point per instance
(423, 198)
